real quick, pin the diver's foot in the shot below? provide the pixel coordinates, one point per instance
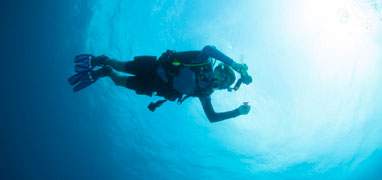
(102, 72)
(99, 61)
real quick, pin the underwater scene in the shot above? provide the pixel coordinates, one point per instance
(265, 90)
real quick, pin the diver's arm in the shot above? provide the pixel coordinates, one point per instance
(214, 116)
(242, 69)
(202, 56)
(211, 51)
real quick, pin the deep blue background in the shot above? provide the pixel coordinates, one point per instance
(40, 134)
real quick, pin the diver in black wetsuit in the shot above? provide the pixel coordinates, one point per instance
(174, 76)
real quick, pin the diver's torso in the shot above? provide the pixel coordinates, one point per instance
(190, 80)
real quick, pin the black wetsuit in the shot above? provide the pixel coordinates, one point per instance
(151, 76)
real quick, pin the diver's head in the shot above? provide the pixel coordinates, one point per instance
(224, 76)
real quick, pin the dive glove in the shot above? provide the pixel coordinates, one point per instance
(243, 70)
(244, 109)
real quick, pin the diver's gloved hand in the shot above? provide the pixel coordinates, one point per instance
(244, 109)
(99, 60)
(243, 70)
(246, 78)
(240, 68)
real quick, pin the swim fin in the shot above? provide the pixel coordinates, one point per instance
(83, 62)
(84, 79)
(75, 78)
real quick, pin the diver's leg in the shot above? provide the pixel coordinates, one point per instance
(117, 65)
(140, 86)
(106, 61)
(118, 79)
(139, 66)
(107, 71)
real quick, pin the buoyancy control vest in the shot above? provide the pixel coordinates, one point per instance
(188, 79)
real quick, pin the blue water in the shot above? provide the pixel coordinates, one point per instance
(316, 101)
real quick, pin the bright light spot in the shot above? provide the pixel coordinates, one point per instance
(325, 98)
(342, 33)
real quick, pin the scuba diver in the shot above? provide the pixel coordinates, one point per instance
(175, 76)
